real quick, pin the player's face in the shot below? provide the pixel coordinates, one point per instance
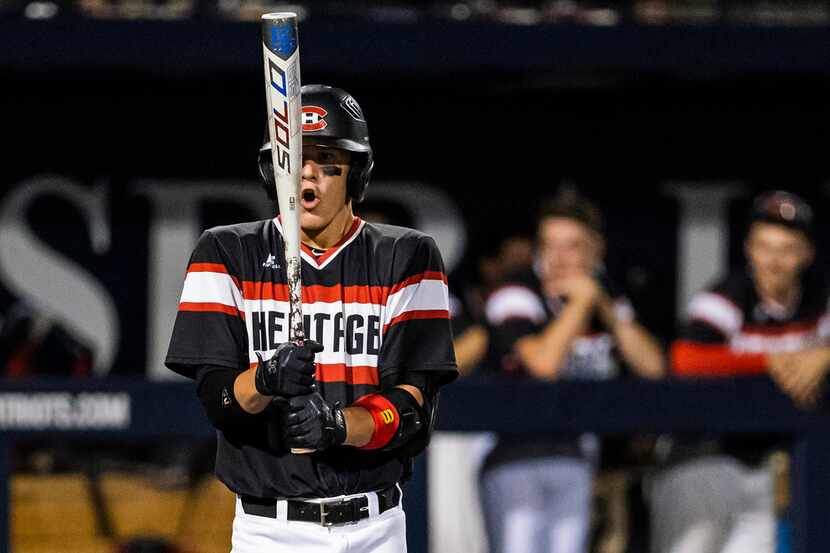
(323, 193)
(567, 248)
(777, 255)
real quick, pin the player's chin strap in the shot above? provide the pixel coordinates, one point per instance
(398, 418)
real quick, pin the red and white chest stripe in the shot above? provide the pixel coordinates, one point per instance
(337, 312)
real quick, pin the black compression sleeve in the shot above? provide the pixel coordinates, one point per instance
(214, 386)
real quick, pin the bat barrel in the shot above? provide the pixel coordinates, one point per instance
(282, 92)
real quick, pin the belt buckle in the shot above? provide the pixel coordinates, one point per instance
(323, 513)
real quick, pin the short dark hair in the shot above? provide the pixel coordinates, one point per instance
(571, 205)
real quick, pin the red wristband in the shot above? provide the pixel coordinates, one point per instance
(385, 416)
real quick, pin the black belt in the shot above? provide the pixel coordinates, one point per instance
(325, 513)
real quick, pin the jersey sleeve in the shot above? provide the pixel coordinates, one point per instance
(417, 335)
(512, 312)
(702, 349)
(210, 325)
(712, 318)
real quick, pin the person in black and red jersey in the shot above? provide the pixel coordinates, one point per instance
(361, 391)
(771, 318)
(562, 321)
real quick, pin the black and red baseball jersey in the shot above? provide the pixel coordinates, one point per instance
(521, 308)
(730, 329)
(377, 302)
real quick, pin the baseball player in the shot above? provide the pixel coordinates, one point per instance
(363, 388)
(561, 321)
(773, 317)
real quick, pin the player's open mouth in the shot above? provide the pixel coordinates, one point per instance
(309, 199)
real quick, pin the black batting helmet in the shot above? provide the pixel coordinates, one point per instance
(330, 117)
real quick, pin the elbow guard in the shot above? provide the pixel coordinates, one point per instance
(398, 419)
(215, 391)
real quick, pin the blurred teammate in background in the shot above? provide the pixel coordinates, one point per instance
(33, 344)
(769, 318)
(471, 335)
(564, 320)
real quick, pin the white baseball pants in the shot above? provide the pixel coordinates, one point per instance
(538, 505)
(713, 504)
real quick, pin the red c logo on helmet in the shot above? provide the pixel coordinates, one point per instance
(314, 118)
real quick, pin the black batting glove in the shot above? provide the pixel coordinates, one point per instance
(290, 372)
(311, 422)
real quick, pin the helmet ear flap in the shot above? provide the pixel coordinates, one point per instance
(359, 176)
(266, 173)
